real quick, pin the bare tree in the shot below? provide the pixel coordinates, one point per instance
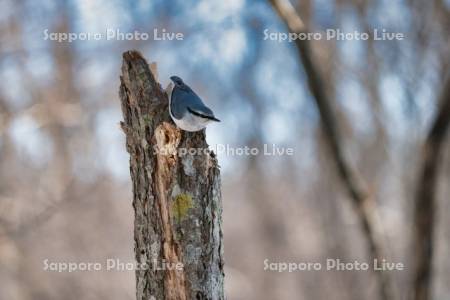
(424, 220)
(359, 194)
(176, 194)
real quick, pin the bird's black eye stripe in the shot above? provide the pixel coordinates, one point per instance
(200, 115)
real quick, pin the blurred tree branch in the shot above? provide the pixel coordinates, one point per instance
(358, 192)
(424, 217)
(69, 194)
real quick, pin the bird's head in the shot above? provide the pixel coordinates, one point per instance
(177, 80)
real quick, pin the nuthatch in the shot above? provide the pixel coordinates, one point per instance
(186, 108)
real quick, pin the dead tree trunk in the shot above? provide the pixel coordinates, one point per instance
(176, 195)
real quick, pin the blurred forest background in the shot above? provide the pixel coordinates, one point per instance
(65, 192)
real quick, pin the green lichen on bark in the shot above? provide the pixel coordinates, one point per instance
(181, 205)
(147, 119)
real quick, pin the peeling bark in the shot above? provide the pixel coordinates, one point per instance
(176, 194)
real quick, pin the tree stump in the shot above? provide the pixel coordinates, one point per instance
(176, 194)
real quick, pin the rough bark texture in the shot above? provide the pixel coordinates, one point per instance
(362, 200)
(424, 216)
(176, 194)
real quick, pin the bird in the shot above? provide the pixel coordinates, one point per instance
(186, 108)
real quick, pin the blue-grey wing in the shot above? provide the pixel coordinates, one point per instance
(197, 106)
(178, 103)
(184, 99)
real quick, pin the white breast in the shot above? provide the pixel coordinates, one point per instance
(190, 122)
